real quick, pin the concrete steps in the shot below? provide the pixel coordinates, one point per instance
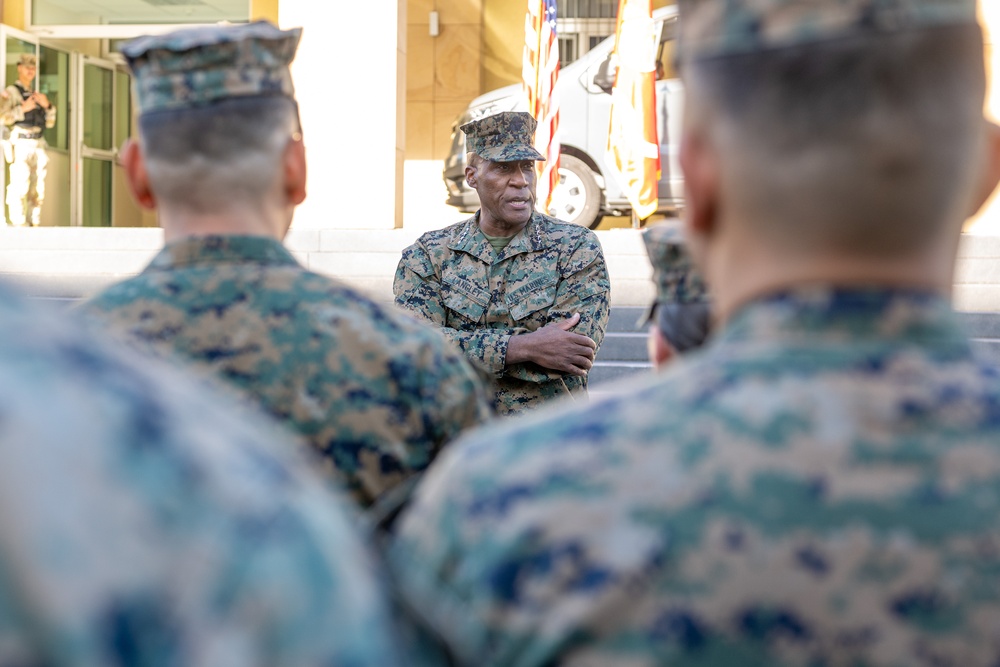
(984, 331)
(623, 352)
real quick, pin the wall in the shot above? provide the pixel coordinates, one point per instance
(349, 83)
(988, 221)
(480, 48)
(444, 73)
(264, 9)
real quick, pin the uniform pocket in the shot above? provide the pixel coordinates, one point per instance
(464, 297)
(535, 295)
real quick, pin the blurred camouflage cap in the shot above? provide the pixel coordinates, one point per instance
(504, 137)
(199, 66)
(725, 27)
(27, 60)
(677, 280)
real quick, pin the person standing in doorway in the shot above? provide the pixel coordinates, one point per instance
(27, 113)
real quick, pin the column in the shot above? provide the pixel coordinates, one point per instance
(988, 221)
(350, 75)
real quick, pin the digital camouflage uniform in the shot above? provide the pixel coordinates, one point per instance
(548, 272)
(375, 392)
(146, 521)
(27, 152)
(819, 486)
(453, 278)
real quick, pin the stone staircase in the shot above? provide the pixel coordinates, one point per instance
(984, 330)
(623, 352)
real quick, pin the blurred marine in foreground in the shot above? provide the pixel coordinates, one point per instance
(147, 521)
(821, 484)
(220, 157)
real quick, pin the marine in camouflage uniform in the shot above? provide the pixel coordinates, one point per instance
(147, 521)
(820, 484)
(27, 113)
(536, 273)
(376, 393)
(679, 320)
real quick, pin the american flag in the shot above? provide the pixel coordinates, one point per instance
(540, 73)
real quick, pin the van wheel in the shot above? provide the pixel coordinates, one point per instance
(577, 198)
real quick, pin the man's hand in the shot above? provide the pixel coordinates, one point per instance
(554, 347)
(29, 104)
(42, 100)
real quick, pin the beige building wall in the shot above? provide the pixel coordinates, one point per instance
(479, 49)
(444, 73)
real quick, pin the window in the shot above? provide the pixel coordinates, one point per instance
(587, 22)
(125, 12)
(587, 9)
(567, 49)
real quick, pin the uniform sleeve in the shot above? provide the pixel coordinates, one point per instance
(585, 288)
(10, 106)
(458, 396)
(50, 116)
(417, 288)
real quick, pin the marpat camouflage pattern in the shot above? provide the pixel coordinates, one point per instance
(551, 270)
(677, 279)
(818, 486)
(147, 521)
(376, 393)
(508, 136)
(197, 66)
(713, 28)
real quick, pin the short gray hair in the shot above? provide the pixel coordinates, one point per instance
(204, 159)
(863, 142)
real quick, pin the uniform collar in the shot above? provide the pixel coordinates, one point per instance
(223, 249)
(829, 314)
(470, 239)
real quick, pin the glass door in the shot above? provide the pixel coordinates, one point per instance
(98, 150)
(41, 182)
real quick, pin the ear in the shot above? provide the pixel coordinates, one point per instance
(661, 352)
(471, 176)
(990, 175)
(135, 173)
(701, 184)
(295, 171)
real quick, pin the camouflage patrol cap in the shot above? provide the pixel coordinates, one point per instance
(199, 66)
(727, 27)
(27, 60)
(504, 137)
(677, 280)
(681, 311)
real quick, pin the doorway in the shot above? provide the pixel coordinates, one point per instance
(84, 182)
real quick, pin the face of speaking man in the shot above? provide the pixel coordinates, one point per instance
(506, 192)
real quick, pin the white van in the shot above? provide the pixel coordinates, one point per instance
(586, 190)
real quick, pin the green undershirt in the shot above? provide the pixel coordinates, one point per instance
(498, 242)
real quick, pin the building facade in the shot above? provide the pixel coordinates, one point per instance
(380, 84)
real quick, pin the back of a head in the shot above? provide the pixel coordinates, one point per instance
(217, 111)
(205, 159)
(847, 127)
